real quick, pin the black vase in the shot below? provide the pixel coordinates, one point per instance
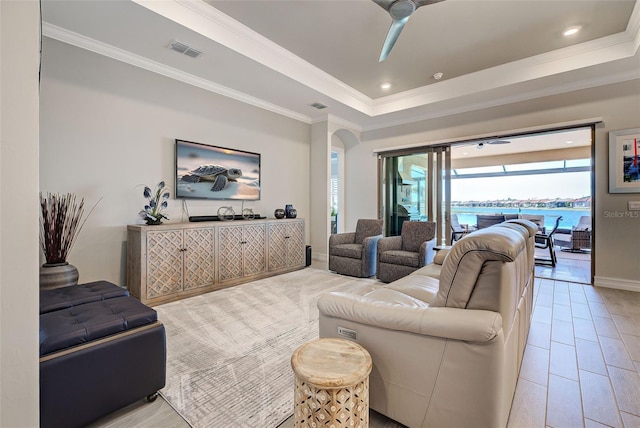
(287, 209)
(279, 213)
(293, 213)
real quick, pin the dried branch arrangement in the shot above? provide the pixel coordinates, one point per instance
(60, 223)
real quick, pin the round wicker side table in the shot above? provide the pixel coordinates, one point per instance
(331, 384)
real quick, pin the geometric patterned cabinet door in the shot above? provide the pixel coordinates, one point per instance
(229, 252)
(286, 245)
(164, 263)
(241, 251)
(177, 260)
(199, 258)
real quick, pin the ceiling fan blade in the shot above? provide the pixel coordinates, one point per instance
(392, 36)
(385, 4)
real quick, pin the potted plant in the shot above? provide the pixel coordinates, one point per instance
(152, 212)
(60, 223)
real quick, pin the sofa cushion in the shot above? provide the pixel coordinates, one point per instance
(81, 324)
(399, 257)
(418, 286)
(432, 270)
(366, 228)
(470, 258)
(66, 297)
(352, 251)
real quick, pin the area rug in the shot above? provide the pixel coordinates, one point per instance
(229, 351)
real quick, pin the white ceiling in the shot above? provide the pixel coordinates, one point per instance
(283, 55)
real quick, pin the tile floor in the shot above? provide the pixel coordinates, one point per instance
(572, 267)
(581, 366)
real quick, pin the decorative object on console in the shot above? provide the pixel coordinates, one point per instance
(226, 214)
(60, 223)
(290, 212)
(247, 214)
(152, 213)
(279, 213)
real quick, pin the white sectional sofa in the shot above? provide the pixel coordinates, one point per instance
(447, 341)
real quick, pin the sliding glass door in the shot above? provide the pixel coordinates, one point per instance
(415, 187)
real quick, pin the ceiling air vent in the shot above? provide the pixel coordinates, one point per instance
(184, 49)
(319, 106)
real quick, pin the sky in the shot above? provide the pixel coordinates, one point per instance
(543, 186)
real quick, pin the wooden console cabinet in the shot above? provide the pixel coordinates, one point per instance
(177, 260)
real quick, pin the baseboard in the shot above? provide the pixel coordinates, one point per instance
(617, 283)
(319, 257)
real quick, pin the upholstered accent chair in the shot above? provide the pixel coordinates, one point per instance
(398, 256)
(354, 253)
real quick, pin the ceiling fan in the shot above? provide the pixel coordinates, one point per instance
(400, 11)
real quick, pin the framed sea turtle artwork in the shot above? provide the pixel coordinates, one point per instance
(624, 161)
(213, 172)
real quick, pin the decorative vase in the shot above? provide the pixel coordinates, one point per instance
(293, 213)
(287, 210)
(154, 222)
(57, 275)
(279, 213)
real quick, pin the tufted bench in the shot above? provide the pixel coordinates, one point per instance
(100, 350)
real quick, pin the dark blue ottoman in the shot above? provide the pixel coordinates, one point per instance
(100, 350)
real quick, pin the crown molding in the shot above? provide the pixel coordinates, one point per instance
(80, 41)
(606, 49)
(208, 21)
(517, 96)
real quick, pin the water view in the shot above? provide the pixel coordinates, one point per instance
(570, 216)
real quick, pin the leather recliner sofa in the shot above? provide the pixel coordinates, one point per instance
(446, 352)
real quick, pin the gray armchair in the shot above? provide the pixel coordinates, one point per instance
(398, 256)
(354, 253)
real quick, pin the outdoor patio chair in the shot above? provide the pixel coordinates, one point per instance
(576, 240)
(459, 230)
(545, 241)
(484, 221)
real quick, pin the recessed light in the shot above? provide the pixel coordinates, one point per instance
(438, 76)
(465, 153)
(568, 142)
(571, 31)
(385, 85)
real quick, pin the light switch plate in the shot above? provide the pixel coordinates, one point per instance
(634, 205)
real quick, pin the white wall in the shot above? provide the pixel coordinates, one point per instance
(619, 106)
(19, 45)
(107, 128)
(320, 172)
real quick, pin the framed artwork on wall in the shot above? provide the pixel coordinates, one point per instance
(624, 161)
